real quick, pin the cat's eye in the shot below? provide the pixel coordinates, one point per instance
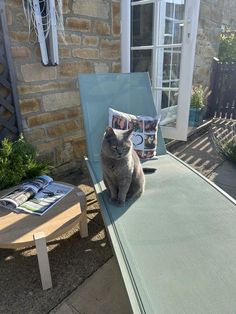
(113, 146)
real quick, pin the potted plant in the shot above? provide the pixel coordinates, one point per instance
(197, 105)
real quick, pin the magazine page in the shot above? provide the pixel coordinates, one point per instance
(24, 192)
(46, 198)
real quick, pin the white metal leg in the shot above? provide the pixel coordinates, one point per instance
(83, 225)
(42, 254)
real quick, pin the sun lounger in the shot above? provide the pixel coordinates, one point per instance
(175, 245)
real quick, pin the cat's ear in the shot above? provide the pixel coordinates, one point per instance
(129, 133)
(109, 132)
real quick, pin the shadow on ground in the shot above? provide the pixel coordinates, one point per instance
(72, 260)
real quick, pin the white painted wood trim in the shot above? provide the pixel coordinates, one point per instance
(125, 35)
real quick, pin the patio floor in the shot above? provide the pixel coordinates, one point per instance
(104, 292)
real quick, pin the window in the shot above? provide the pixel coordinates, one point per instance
(159, 36)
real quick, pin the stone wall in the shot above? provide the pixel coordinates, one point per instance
(209, 28)
(49, 99)
(214, 14)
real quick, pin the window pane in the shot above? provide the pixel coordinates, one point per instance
(171, 64)
(141, 61)
(141, 25)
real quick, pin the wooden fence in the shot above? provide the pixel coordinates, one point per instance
(222, 101)
(10, 119)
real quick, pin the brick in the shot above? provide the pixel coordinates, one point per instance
(94, 8)
(74, 112)
(64, 52)
(90, 41)
(34, 135)
(110, 49)
(9, 16)
(74, 68)
(116, 67)
(101, 67)
(20, 52)
(30, 105)
(78, 24)
(116, 19)
(64, 153)
(69, 39)
(48, 146)
(101, 28)
(75, 39)
(59, 101)
(46, 87)
(37, 72)
(19, 36)
(79, 148)
(62, 128)
(65, 6)
(44, 118)
(85, 53)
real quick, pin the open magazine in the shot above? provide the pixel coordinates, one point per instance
(35, 196)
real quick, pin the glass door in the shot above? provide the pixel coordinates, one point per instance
(159, 37)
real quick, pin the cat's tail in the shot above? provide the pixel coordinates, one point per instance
(149, 170)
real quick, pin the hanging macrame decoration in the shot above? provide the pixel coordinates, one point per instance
(47, 19)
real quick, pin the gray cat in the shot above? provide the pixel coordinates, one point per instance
(122, 171)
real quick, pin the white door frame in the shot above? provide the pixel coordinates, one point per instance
(187, 59)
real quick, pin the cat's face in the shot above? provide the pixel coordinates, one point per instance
(116, 143)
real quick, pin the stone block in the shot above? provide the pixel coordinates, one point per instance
(64, 52)
(116, 67)
(59, 101)
(94, 8)
(110, 49)
(90, 40)
(79, 148)
(9, 16)
(48, 146)
(75, 39)
(101, 28)
(34, 135)
(62, 128)
(74, 112)
(63, 153)
(85, 53)
(116, 19)
(30, 105)
(73, 68)
(78, 24)
(37, 72)
(25, 89)
(20, 52)
(65, 6)
(44, 118)
(19, 36)
(101, 67)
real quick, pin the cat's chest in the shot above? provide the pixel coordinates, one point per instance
(119, 167)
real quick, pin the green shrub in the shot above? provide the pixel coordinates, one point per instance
(18, 161)
(228, 149)
(227, 47)
(199, 96)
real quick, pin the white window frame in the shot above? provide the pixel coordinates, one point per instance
(187, 59)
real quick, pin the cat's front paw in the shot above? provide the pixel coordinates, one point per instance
(120, 203)
(113, 200)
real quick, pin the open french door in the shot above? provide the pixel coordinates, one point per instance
(159, 37)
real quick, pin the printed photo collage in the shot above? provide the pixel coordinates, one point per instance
(144, 135)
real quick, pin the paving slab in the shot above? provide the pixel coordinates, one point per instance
(102, 293)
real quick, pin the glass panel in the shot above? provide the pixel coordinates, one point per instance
(169, 108)
(171, 64)
(141, 25)
(141, 61)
